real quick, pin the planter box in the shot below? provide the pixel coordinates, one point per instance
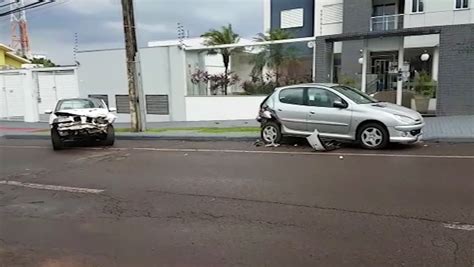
(424, 105)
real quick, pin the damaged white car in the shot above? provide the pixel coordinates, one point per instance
(79, 119)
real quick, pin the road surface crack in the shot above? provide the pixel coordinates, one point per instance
(119, 210)
(318, 207)
(455, 251)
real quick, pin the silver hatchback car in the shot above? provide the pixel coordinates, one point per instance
(337, 112)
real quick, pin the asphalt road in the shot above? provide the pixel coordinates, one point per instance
(234, 204)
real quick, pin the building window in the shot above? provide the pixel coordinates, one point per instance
(101, 97)
(462, 4)
(157, 104)
(292, 18)
(332, 14)
(123, 104)
(417, 6)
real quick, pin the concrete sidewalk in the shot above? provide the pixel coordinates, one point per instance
(447, 129)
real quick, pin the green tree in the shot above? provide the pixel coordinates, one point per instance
(273, 55)
(47, 63)
(225, 35)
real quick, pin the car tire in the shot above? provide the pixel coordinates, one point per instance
(110, 136)
(373, 136)
(271, 133)
(56, 140)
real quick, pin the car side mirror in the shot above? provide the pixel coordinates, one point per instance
(113, 109)
(339, 104)
(48, 111)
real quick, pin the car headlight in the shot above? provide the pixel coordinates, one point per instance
(404, 119)
(101, 120)
(62, 119)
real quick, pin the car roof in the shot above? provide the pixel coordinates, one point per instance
(308, 85)
(78, 98)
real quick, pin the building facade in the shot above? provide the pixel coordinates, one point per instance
(417, 53)
(8, 59)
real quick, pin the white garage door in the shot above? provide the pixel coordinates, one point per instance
(47, 91)
(12, 95)
(55, 85)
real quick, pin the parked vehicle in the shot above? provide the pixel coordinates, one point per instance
(80, 119)
(338, 112)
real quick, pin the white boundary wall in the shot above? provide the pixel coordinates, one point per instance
(26, 93)
(207, 108)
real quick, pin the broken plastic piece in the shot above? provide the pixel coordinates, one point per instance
(258, 143)
(272, 145)
(315, 142)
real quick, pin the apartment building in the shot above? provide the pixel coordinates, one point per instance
(395, 50)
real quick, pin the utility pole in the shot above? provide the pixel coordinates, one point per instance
(131, 54)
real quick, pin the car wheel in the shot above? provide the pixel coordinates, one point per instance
(373, 136)
(56, 140)
(271, 133)
(110, 137)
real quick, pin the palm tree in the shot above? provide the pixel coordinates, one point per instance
(273, 55)
(225, 36)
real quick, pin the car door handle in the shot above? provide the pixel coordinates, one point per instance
(280, 109)
(312, 112)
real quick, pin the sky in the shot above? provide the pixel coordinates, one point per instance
(98, 23)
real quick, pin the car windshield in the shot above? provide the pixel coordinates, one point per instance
(355, 95)
(78, 104)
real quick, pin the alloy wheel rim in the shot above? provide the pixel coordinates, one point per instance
(270, 134)
(372, 137)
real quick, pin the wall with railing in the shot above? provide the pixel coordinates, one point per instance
(439, 18)
(386, 23)
(253, 69)
(421, 19)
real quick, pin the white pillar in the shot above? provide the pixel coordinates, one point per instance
(363, 86)
(401, 56)
(267, 15)
(30, 99)
(435, 67)
(314, 61)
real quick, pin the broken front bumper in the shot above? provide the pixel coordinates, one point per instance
(406, 133)
(81, 127)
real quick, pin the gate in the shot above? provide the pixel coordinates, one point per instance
(38, 88)
(55, 85)
(12, 96)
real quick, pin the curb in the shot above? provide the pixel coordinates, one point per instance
(144, 138)
(187, 138)
(207, 138)
(449, 140)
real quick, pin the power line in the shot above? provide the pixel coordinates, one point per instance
(5, 5)
(53, 4)
(35, 11)
(26, 7)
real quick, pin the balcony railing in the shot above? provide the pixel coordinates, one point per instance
(386, 23)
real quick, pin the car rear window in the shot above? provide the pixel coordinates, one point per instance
(78, 104)
(292, 96)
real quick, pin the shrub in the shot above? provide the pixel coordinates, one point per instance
(424, 85)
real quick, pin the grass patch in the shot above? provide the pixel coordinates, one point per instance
(214, 130)
(230, 130)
